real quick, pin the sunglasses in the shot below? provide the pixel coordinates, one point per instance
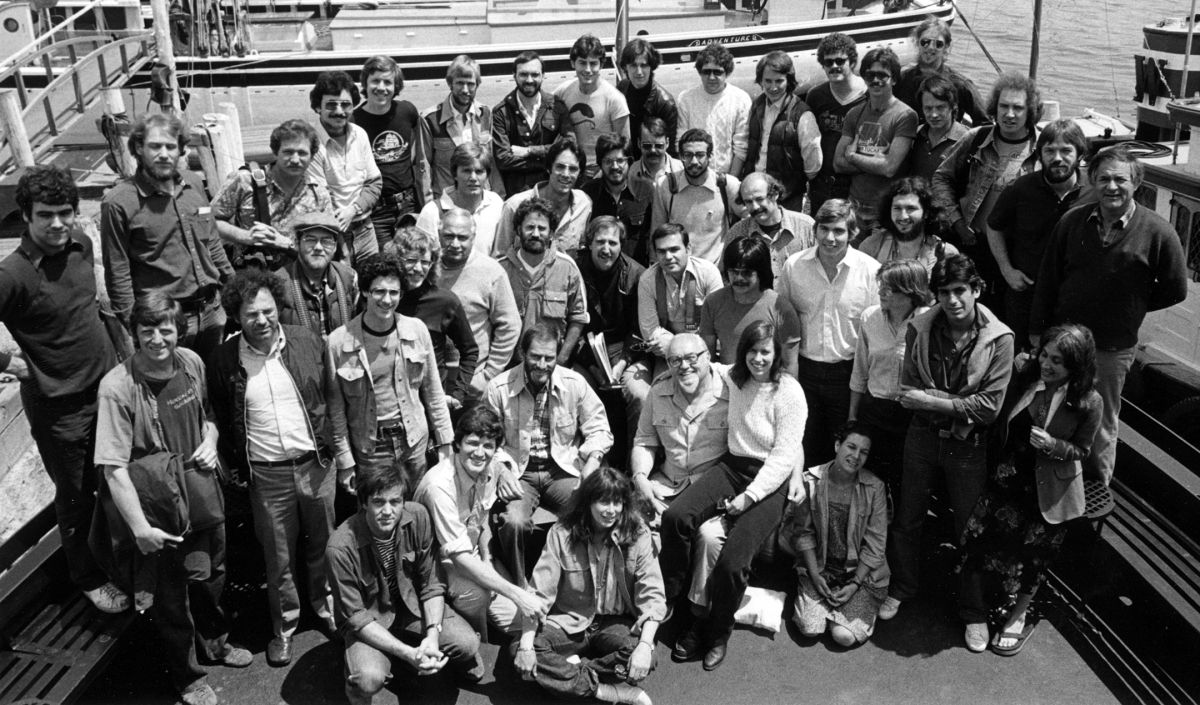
(877, 76)
(835, 61)
(935, 42)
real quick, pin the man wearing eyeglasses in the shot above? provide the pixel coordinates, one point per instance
(686, 415)
(387, 405)
(829, 103)
(876, 137)
(613, 194)
(345, 163)
(932, 40)
(718, 107)
(319, 293)
(698, 197)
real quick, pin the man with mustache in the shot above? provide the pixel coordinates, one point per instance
(614, 194)
(572, 208)
(932, 39)
(267, 387)
(784, 231)
(555, 429)
(699, 197)
(318, 293)
(545, 282)
(288, 192)
(345, 163)
(158, 234)
(1027, 211)
(656, 160)
(829, 103)
(457, 119)
(684, 415)
(980, 165)
(525, 124)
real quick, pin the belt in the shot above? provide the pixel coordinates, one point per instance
(397, 422)
(299, 460)
(198, 302)
(944, 431)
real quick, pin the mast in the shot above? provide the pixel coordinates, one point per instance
(1037, 36)
(166, 50)
(622, 31)
(1183, 96)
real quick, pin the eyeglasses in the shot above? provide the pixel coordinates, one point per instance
(690, 359)
(693, 156)
(653, 146)
(832, 61)
(614, 161)
(413, 263)
(935, 42)
(312, 241)
(712, 73)
(877, 76)
(335, 104)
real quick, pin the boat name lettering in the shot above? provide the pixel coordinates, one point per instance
(735, 39)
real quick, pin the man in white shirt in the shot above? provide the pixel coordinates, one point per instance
(830, 285)
(345, 163)
(718, 107)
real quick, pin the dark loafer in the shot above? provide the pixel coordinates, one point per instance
(279, 651)
(687, 646)
(714, 656)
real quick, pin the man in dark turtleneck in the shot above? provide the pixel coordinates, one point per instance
(985, 161)
(645, 97)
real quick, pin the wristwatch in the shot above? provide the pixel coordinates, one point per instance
(437, 626)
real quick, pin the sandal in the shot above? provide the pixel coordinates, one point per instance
(1021, 637)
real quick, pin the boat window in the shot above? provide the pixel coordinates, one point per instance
(1185, 216)
(1147, 196)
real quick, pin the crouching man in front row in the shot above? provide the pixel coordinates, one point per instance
(388, 601)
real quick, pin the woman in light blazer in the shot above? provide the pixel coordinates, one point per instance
(1044, 431)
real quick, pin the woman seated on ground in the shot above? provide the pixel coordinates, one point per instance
(839, 531)
(470, 166)
(1045, 429)
(747, 297)
(601, 584)
(907, 227)
(875, 381)
(767, 413)
(419, 257)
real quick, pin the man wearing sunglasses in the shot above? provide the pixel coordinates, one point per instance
(829, 103)
(345, 162)
(655, 139)
(932, 41)
(719, 108)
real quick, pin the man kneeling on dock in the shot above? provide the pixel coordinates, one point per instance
(388, 600)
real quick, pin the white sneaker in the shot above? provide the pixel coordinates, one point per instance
(108, 598)
(976, 636)
(889, 608)
(623, 693)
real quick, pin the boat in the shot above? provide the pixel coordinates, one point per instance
(284, 51)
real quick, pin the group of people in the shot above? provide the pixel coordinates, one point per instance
(575, 413)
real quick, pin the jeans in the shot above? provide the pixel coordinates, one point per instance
(512, 523)
(360, 242)
(368, 669)
(387, 211)
(927, 454)
(888, 422)
(187, 604)
(745, 535)
(1111, 368)
(392, 448)
(603, 649)
(827, 390)
(64, 430)
(205, 328)
(290, 502)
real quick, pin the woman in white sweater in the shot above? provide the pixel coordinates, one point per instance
(744, 492)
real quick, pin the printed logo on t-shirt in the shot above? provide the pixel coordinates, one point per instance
(831, 122)
(871, 141)
(582, 114)
(389, 147)
(179, 401)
